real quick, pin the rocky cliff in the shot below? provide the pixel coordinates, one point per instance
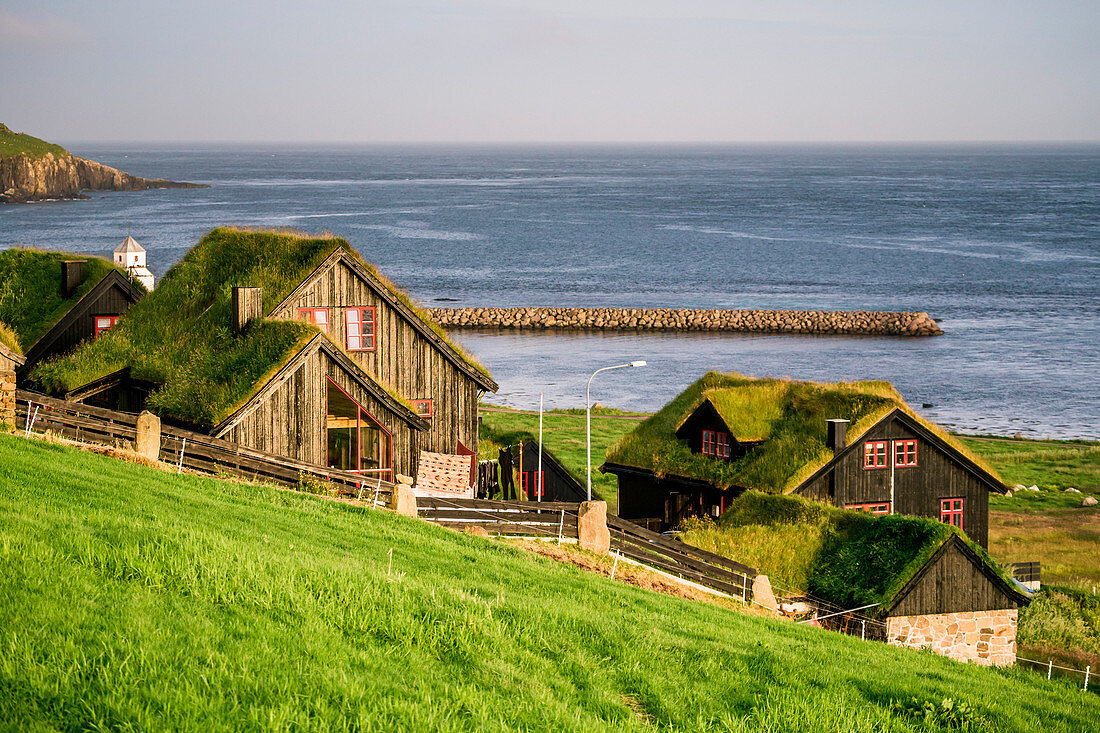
(63, 176)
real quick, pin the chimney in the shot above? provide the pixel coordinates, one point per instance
(72, 274)
(836, 434)
(248, 304)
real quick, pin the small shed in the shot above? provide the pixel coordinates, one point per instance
(555, 481)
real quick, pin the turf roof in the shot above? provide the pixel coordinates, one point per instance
(9, 339)
(861, 558)
(788, 415)
(180, 335)
(30, 290)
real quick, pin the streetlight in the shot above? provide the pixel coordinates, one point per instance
(588, 413)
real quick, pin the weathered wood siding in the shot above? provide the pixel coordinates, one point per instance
(950, 585)
(303, 393)
(402, 358)
(557, 484)
(917, 489)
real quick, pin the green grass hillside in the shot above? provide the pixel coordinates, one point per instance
(15, 143)
(137, 599)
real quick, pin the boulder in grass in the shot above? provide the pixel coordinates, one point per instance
(1019, 487)
(1089, 501)
(1075, 491)
(1008, 494)
(1033, 487)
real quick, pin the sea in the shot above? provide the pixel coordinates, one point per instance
(999, 243)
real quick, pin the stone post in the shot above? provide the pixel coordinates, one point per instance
(148, 435)
(762, 593)
(592, 532)
(7, 393)
(403, 499)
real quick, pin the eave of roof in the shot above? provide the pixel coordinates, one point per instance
(7, 353)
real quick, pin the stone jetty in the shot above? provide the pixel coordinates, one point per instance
(869, 323)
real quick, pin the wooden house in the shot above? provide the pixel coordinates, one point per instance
(554, 483)
(856, 445)
(291, 345)
(55, 301)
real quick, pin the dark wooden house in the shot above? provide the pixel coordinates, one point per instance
(554, 483)
(732, 433)
(57, 301)
(291, 345)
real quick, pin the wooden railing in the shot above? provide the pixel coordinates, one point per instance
(185, 448)
(523, 518)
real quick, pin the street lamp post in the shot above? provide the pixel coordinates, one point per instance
(588, 413)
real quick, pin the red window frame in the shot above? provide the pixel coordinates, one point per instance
(359, 428)
(111, 321)
(310, 315)
(418, 404)
(361, 328)
(723, 447)
(525, 481)
(951, 511)
(874, 454)
(873, 507)
(905, 453)
(716, 443)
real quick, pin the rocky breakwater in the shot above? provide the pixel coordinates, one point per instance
(869, 323)
(63, 176)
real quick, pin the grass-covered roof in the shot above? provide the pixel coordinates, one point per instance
(181, 337)
(16, 143)
(847, 558)
(9, 339)
(30, 291)
(788, 415)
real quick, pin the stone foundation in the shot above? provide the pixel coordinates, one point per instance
(7, 392)
(983, 637)
(872, 323)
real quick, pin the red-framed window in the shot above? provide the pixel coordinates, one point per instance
(905, 453)
(317, 316)
(874, 454)
(874, 507)
(104, 323)
(951, 512)
(529, 484)
(716, 443)
(423, 407)
(359, 323)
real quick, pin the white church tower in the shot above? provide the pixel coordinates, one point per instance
(130, 256)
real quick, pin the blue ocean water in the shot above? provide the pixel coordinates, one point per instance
(1002, 243)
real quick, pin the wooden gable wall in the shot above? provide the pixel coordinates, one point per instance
(952, 582)
(402, 358)
(917, 489)
(301, 393)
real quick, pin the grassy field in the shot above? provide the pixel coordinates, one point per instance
(137, 599)
(564, 435)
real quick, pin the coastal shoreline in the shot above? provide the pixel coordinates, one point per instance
(867, 323)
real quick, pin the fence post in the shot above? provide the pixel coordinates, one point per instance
(403, 498)
(762, 592)
(863, 630)
(1087, 670)
(592, 532)
(561, 525)
(147, 439)
(616, 564)
(1050, 668)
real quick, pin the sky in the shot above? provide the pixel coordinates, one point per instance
(551, 70)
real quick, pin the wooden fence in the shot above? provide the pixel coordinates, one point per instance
(186, 448)
(559, 519)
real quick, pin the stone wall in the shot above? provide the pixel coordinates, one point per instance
(876, 323)
(983, 637)
(7, 392)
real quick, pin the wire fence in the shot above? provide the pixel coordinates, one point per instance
(1050, 666)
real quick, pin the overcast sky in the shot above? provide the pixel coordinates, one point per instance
(551, 70)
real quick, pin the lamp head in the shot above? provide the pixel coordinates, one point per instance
(637, 363)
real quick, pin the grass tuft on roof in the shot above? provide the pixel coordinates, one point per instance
(788, 415)
(9, 339)
(30, 290)
(17, 143)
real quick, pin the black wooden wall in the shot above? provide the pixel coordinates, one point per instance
(950, 584)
